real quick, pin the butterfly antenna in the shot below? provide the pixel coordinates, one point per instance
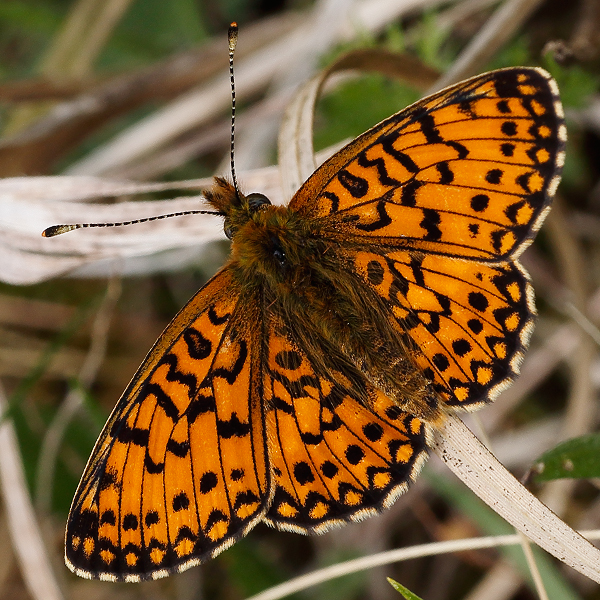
(232, 36)
(58, 229)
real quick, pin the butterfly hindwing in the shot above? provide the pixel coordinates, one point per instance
(469, 171)
(469, 321)
(179, 472)
(335, 455)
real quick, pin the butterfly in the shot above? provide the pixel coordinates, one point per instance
(301, 385)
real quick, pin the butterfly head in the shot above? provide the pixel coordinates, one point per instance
(268, 242)
(234, 206)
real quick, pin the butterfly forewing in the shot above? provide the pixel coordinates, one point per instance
(179, 472)
(468, 172)
(336, 455)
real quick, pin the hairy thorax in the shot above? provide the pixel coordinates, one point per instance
(309, 283)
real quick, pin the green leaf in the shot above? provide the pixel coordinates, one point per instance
(574, 459)
(431, 46)
(250, 569)
(402, 590)
(575, 83)
(358, 105)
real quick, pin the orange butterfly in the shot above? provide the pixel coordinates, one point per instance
(299, 387)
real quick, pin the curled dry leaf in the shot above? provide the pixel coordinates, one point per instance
(30, 204)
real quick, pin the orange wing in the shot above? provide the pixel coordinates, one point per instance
(469, 321)
(431, 209)
(468, 172)
(339, 449)
(236, 417)
(179, 472)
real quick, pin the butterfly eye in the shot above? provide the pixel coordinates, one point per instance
(228, 229)
(256, 200)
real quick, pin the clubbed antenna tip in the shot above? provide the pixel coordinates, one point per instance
(232, 36)
(58, 229)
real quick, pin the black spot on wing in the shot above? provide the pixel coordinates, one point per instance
(480, 202)
(215, 319)
(215, 516)
(431, 221)
(507, 149)
(152, 467)
(130, 522)
(356, 186)
(179, 449)
(200, 405)
(354, 454)
(478, 301)
(198, 346)
(180, 502)
(329, 470)
(509, 128)
(409, 193)
(405, 160)
(335, 201)
(379, 164)
(232, 427)
(446, 174)
(108, 517)
(130, 435)
(311, 439)
(373, 431)
(303, 473)
(208, 482)
(428, 128)
(151, 518)
(494, 176)
(237, 474)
